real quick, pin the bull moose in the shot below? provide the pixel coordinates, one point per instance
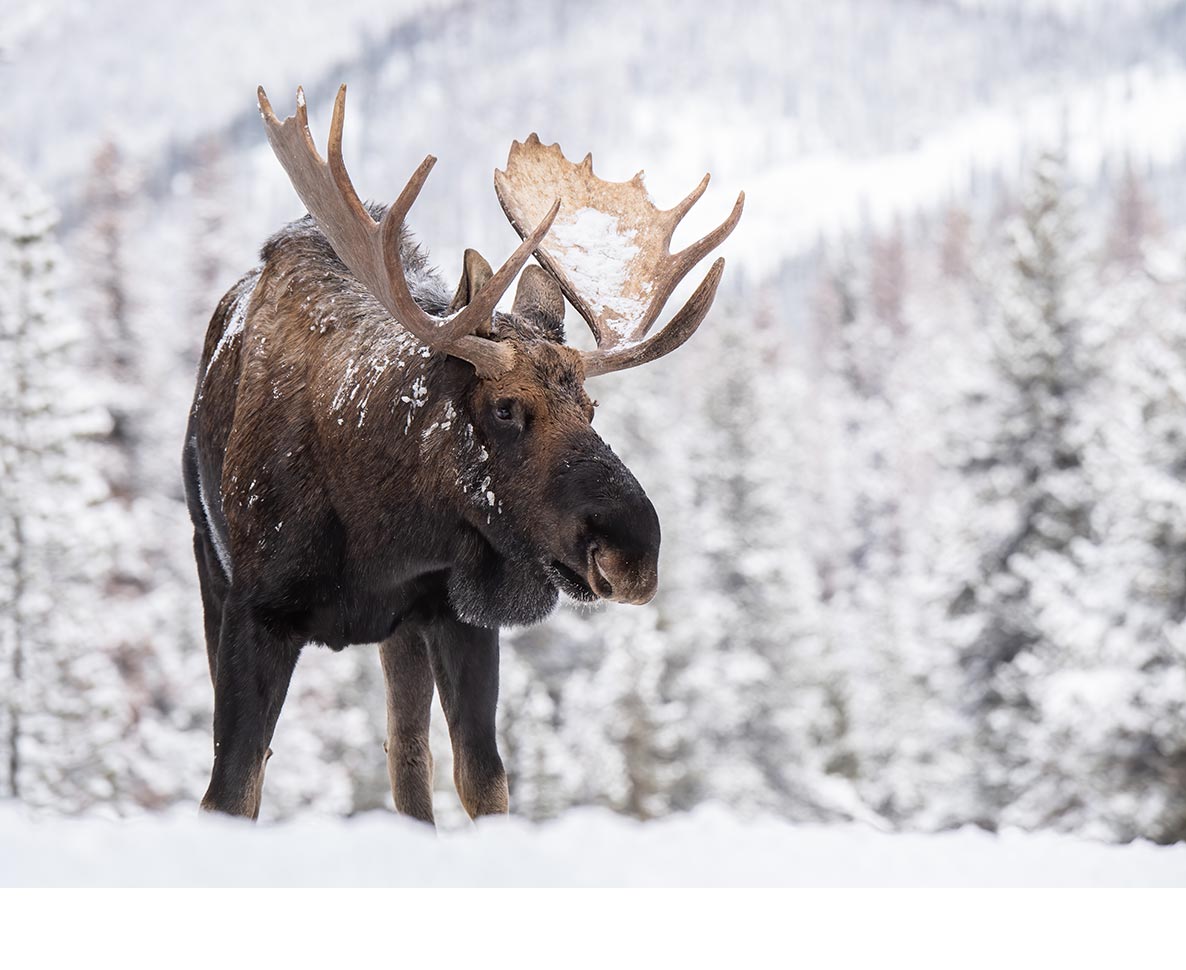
(370, 458)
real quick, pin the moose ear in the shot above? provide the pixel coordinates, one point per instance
(539, 299)
(475, 273)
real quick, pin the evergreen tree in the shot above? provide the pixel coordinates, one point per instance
(66, 712)
(211, 272)
(751, 675)
(146, 587)
(1134, 223)
(878, 488)
(620, 726)
(542, 773)
(1036, 532)
(1110, 715)
(111, 344)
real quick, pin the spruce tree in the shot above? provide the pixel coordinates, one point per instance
(1036, 528)
(66, 712)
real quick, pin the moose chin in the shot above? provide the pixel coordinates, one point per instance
(373, 458)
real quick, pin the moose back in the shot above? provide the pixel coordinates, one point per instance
(373, 458)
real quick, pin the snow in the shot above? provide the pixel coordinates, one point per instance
(418, 399)
(151, 98)
(220, 549)
(596, 254)
(1135, 114)
(589, 847)
(237, 321)
(824, 113)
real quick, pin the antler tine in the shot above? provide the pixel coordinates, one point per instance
(670, 338)
(678, 211)
(491, 292)
(337, 166)
(689, 256)
(265, 107)
(427, 328)
(675, 267)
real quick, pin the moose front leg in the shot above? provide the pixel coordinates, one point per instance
(251, 680)
(465, 665)
(409, 709)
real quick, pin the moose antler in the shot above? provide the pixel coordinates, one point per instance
(371, 249)
(610, 251)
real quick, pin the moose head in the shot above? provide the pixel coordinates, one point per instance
(470, 508)
(579, 514)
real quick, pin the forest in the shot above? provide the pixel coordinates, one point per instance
(920, 472)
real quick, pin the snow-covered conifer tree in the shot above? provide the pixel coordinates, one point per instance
(110, 342)
(874, 427)
(1108, 737)
(66, 712)
(1036, 528)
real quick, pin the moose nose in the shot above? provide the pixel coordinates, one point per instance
(623, 554)
(617, 531)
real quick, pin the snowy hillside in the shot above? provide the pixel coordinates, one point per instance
(829, 115)
(584, 848)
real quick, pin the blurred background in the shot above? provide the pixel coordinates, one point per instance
(920, 473)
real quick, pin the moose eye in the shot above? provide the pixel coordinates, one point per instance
(504, 410)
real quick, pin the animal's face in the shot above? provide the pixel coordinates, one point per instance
(550, 490)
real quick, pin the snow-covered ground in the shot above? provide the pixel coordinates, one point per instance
(584, 848)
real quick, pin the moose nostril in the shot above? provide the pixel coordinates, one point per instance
(598, 576)
(601, 572)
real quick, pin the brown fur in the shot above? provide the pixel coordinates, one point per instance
(347, 485)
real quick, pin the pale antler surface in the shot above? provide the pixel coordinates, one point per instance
(371, 249)
(610, 251)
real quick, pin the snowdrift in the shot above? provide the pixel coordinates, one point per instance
(709, 847)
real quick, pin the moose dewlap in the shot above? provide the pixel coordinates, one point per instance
(372, 457)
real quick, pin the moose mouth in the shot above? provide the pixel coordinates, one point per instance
(570, 582)
(594, 584)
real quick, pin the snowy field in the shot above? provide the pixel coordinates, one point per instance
(584, 848)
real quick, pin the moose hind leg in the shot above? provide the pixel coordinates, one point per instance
(409, 707)
(252, 676)
(465, 665)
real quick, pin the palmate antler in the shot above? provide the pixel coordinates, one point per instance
(371, 249)
(609, 251)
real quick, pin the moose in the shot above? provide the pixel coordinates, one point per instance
(371, 459)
